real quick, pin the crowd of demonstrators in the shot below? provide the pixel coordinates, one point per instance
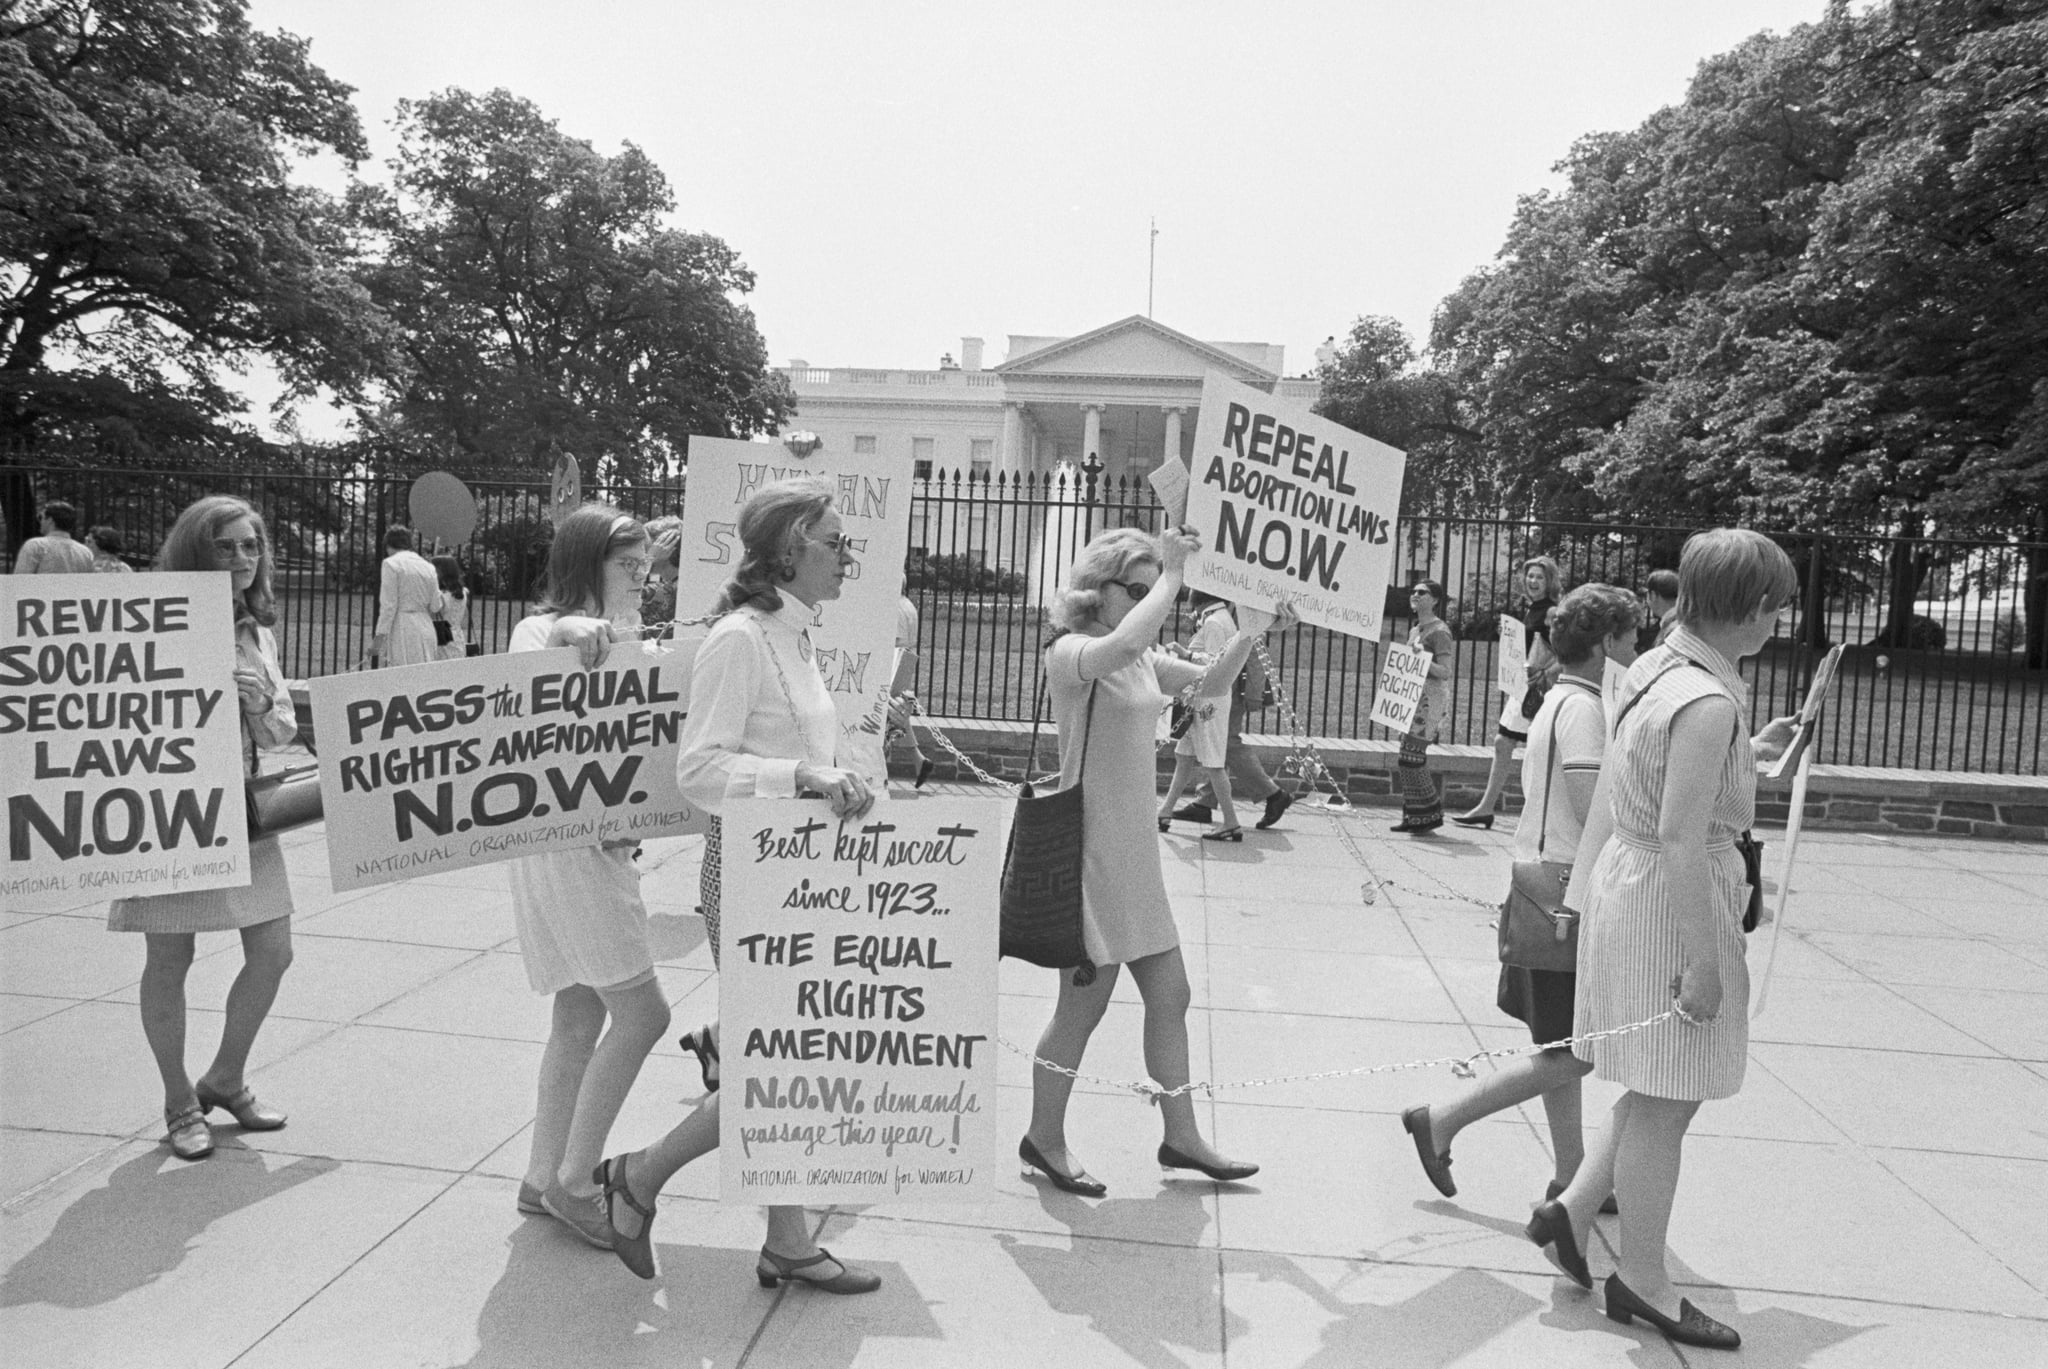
(1542, 583)
(408, 598)
(222, 533)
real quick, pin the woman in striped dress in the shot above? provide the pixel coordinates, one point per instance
(1663, 923)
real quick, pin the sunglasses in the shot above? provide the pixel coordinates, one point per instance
(228, 548)
(1137, 590)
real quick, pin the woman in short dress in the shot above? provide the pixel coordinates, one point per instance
(222, 533)
(1543, 582)
(408, 597)
(1422, 796)
(582, 925)
(1662, 926)
(1206, 742)
(1109, 683)
(761, 724)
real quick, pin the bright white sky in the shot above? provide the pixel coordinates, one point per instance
(901, 174)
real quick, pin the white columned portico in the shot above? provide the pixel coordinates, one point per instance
(1091, 432)
(1171, 447)
(1013, 437)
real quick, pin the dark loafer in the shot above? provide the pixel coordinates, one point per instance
(1551, 1228)
(1436, 1166)
(1693, 1326)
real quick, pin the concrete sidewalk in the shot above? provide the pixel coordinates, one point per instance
(1875, 1196)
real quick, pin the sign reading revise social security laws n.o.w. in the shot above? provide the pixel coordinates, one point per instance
(1290, 506)
(464, 762)
(120, 738)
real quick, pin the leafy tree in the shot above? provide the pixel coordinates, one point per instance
(149, 233)
(1375, 386)
(544, 306)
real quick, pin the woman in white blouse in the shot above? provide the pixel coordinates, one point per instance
(761, 725)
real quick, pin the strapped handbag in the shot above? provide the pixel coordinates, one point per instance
(1746, 845)
(282, 800)
(1041, 889)
(1537, 932)
(444, 631)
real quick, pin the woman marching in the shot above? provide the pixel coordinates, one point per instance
(1595, 624)
(222, 533)
(1109, 682)
(1422, 799)
(1662, 927)
(1543, 582)
(408, 597)
(1207, 740)
(761, 724)
(582, 925)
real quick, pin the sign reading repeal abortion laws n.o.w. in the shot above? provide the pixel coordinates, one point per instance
(1399, 694)
(857, 1001)
(465, 762)
(1291, 506)
(855, 634)
(120, 738)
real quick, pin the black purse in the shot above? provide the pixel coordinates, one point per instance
(1041, 891)
(1537, 932)
(282, 800)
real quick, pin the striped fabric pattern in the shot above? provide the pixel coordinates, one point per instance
(1630, 950)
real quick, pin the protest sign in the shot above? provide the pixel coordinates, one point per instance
(120, 738)
(854, 634)
(1170, 482)
(1290, 506)
(1400, 690)
(857, 1001)
(458, 763)
(1511, 664)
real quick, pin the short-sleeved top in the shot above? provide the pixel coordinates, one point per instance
(1567, 735)
(55, 554)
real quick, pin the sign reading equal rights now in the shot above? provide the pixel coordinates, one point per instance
(857, 1001)
(120, 738)
(1289, 506)
(1399, 696)
(459, 763)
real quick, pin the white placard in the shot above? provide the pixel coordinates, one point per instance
(1400, 689)
(465, 762)
(1511, 664)
(1291, 506)
(857, 1001)
(855, 634)
(1170, 483)
(120, 738)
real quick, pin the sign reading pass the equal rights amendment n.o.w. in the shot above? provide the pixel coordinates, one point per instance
(459, 763)
(120, 738)
(1289, 506)
(857, 1001)
(1399, 695)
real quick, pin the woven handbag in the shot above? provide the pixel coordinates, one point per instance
(1041, 890)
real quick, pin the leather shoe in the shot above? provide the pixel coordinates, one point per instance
(1551, 1227)
(1276, 804)
(1404, 825)
(1484, 820)
(1554, 1190)
(1231, 1172)
(772, 1269)
(635, 1252)
(1436, 1165)
(1693, 1326)
(242, 1104)
(1077, 1182)
(1194, 812)
(187, 1133)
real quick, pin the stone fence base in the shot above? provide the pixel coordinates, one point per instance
(1838, 797)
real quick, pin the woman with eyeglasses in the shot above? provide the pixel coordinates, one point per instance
(582, 925)
(1109, 681)
(761, 725)
(1422, 799)
(408, 598)
(222, 533)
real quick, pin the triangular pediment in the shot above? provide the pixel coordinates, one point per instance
(1133, 347)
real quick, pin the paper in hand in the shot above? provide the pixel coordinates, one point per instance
(1170, 481)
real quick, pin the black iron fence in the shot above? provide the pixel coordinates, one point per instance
(1943, 667)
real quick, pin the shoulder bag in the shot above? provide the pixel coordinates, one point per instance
(1537, 932)
(1041, 889)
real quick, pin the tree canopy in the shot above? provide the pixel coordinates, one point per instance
(544, 306)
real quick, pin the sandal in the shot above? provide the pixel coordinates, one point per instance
(252, 1115)
(773, 1269)
(1165, 824)
(187, 1133)
(702, 1044)
(1224, 834)
(635, 1252)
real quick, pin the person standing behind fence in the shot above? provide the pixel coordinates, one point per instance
(1567, 737)
(1543, 582)
(581, 922)
(55, 553)
(454, 610)
(408, 597)
(222, 533)
(1661, 614)
(106, 552)
(1422, 797)
(1106, 674)
(1662, 925)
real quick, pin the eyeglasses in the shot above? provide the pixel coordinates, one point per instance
(228, 548)
(635, 566)
(841, 546)
(1136, 589)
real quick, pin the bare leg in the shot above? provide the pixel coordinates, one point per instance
(639, 1015)
(1646, 1180)
(1219, 785)
(1496, 776)
(578, 1018)
(266, 955)
(649, 1170)
(1162, 982)
(1183, 771)
(1530, 1076)
(1065, 1039)
(167, 958)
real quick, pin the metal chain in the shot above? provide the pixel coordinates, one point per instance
(916, 710)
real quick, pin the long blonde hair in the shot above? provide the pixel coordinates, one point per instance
(1109, 556)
